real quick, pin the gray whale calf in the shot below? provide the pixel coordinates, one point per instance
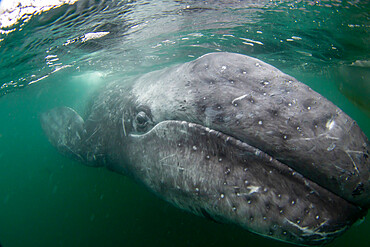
(230, 138)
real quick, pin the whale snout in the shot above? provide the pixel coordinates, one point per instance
(274, 112)
(227, 180)
(256, 147)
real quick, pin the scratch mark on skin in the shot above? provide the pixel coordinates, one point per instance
(239, 98)
(353, 162)
(169, 156)
(123, 124)
(173, 166)
(313, 138)
(356, 152)
(95, 131)
(316, 231)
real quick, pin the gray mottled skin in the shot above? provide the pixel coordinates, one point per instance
(230, 138)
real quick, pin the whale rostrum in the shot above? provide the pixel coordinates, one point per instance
(230, 138)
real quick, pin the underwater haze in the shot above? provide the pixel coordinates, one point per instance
(59, 52)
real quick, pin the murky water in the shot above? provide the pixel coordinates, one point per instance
(59, 56)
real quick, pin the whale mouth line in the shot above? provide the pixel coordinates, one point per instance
(246, 176)
(232, 141)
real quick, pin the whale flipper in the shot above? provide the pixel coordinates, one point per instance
(65, 129)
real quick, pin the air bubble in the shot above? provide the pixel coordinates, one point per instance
(289, 104)
(309, 108)
(260, 122)
(222, 195)
(265, 190)
(317, 217)
(246, 182)
(281, 211)
(298, 221)
(196, 189)
(264, 218)
(293, 202)
(285, 137)
(220, 159)
(207, 157)
(249, 201)
(235, 104)
(179, 144)
(195, 148)
(245, 169)
(284, 233)
(234, 209)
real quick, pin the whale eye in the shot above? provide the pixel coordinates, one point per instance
(142, 119)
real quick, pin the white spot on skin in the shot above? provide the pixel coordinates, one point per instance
(253, 189)
(331, 147)
(330, 124)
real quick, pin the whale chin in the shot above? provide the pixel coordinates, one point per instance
(245, 186)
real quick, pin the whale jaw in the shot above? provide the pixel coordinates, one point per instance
(219, 177)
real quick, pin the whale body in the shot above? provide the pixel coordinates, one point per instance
(230, 138)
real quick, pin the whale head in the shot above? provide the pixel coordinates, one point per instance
(235, 140)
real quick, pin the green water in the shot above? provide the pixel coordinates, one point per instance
(49, 200)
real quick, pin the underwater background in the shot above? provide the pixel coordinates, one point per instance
(58, 52)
